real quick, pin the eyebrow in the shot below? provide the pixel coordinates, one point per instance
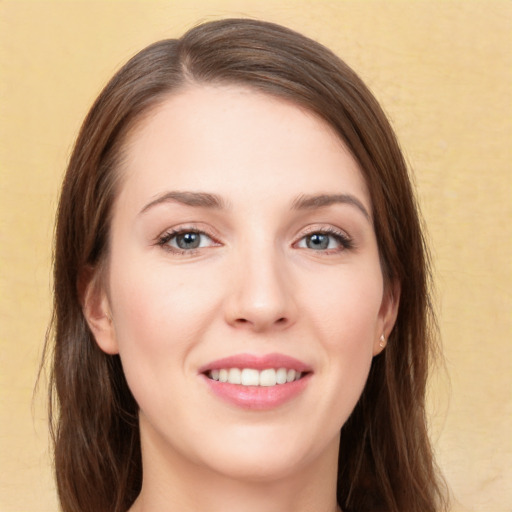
(197, 199)
(303, 202)
(310, 202)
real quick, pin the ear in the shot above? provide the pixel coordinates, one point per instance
(387, 315)
(96, 309)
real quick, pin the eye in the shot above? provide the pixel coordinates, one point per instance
(186, 240)
(325, 240)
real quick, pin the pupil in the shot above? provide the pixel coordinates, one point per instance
(318, 241)
(188, 241)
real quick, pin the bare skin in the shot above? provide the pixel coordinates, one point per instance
(242, 229)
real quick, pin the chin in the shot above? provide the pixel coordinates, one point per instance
(258, 468)
(267, 456)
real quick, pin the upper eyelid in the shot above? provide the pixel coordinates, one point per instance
(188, 228)
(327, 229)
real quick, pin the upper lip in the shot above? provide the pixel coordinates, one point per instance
(257, 362)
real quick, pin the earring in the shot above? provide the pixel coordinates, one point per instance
(382, 342)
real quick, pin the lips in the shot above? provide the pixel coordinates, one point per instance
(256, 382)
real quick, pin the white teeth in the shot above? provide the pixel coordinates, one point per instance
(281, 375)
(251, 377)
(235, 376)
(268, 377)
(290, 376)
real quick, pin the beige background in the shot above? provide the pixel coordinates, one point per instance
(443, 71)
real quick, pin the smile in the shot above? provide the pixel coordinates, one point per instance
(251, 377)
(257, 382)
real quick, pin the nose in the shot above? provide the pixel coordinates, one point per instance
(261, 295)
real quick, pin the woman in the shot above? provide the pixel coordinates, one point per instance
(241, 299)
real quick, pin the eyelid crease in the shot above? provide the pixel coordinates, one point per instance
(330, 230)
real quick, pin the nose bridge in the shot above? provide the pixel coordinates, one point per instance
(261, 289)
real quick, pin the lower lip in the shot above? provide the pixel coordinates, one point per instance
(257, 397)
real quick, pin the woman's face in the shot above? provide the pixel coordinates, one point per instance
(244, 292)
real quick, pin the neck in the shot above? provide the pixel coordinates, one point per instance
(171, 483)
(218, 496)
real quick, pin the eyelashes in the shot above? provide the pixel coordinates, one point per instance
(189, 241)
(326, 240)
(186, 241)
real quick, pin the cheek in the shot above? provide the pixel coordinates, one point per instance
(160, 314)
(159, 317)
(348, 310)
(346, 319)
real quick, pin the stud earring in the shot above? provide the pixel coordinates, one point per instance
(382, 342)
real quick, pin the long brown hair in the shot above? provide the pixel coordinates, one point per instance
(386, 462)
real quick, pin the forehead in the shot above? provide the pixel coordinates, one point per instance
(229, 140)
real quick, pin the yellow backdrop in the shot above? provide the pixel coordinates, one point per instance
(443, 71)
